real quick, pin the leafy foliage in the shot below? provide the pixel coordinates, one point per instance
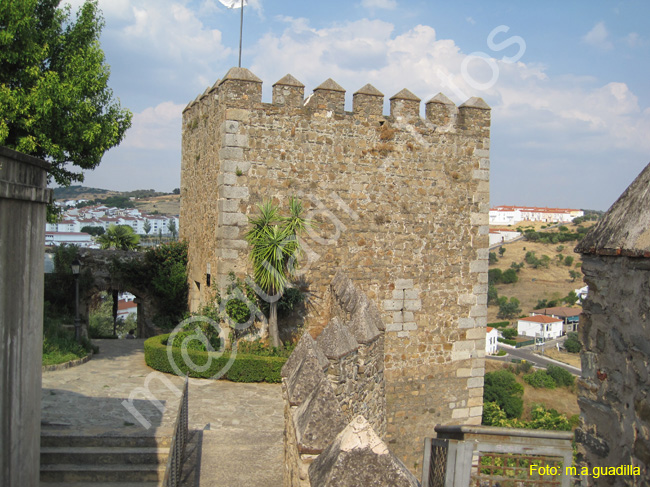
(492, 258)
(121, 237)
(508, 309)
(245, 368)
(562, 377)
(275, 248)
(541, 418)
(540, 380)
(163, 274)
(502, 388)
(96, 231)
(55, 102)
(572, 344)
(509, 333)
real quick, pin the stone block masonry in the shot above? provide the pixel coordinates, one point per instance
(402, 204)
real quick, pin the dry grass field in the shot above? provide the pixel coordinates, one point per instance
(566, 357)
(169, 204)
(562, 399)
(549, 283)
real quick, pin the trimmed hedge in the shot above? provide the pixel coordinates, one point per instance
(506, 341)
(245, 368)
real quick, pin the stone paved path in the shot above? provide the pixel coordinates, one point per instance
(238, 427)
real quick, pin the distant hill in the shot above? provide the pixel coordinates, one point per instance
(78, 191)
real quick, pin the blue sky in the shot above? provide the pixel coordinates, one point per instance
(567, 81)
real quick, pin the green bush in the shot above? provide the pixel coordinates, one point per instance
(506, 341)
(245, 368)
(501, 353)
(494, 276)
(510, 333)
(509, 276)
(502, 388)
(524, 366)
(561, 376)
(572, 344)
(540, 380)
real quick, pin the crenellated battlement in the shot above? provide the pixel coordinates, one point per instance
(241, 88)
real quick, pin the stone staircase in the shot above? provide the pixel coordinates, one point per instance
(81, 460)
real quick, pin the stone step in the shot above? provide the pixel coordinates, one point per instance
(99, 484)
(103, 455)
(102, 473)
(67, 439)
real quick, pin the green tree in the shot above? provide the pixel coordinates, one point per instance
(502, 250)
(121, 237)
(147, 227)
(509, 276)
(171, 226)
(275, 247)
(568, 261)
(492, 295)
(571, 298)
(572, 344)
(502, 388)
(55, 102)
(96, 231)
(574, 275)
(492, 258)
(508, 309)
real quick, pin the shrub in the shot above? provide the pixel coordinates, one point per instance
(507, 341)
(571, 344)
(492, 295)
(502, 388)
(510, 333)
(494, 276)
(509, 276)
(568, 261)
(561, 376)
(524, 367)
(501, 353)
(492, 258)
(540, 380)
(245, 368)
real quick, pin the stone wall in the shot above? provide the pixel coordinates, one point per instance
(335, 412)
(614, 390)
(23, 199)
(402, 203)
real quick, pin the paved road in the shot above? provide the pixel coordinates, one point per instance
(527, 354)
(238, 428)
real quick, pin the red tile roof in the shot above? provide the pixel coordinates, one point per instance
(541, 319)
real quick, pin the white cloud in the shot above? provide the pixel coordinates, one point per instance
(470, 20)
(566, 113)
(381, 4)
(598, 37)
(156, 127)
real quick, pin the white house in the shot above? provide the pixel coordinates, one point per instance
(510, 215)
(491, 342)
(52, 239)
(540, 326)
(500, 235)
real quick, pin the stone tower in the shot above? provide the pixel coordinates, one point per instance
(402, 203)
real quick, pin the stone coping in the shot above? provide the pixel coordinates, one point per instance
(67, 365)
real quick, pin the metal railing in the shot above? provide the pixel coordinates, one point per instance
(482, 456)
(177, 448)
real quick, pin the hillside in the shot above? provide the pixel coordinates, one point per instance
(562, 399)
(82, 192)
(553, 282)
(147, 200)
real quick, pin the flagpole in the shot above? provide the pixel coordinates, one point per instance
(241, 29)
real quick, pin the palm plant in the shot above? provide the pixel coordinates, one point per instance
(275, 249)
(121, 237)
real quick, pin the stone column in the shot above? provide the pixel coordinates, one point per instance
(23, 199)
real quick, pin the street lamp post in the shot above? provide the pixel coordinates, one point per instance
(76, 267)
